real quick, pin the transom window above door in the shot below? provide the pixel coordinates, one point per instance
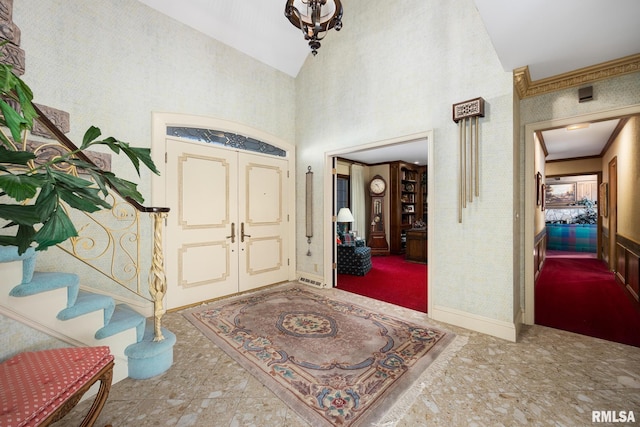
(226, 139)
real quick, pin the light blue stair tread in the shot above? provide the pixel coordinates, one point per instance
(88, 302)
(147, 348)
(45, 281)
(123, 318)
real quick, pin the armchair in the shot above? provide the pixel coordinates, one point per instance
(354, 258)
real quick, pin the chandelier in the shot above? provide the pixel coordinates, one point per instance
(314, 18)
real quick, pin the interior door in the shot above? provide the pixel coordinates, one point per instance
(229, 231)
(262, 206)
(202, 244)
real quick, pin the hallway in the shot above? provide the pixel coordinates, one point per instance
(578, 293)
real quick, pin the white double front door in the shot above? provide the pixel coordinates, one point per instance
(227, 231)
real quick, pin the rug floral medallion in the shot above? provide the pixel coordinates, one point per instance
(332, 361)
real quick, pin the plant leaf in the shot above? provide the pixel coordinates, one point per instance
(56, 229)
(144, 154)
(124, 187)
(20, 214)
(14, 121)
(19, 187)
(15, 157)
(69, 180)
(89, 136)
(25, 96)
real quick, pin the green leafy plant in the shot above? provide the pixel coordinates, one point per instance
(33, 190)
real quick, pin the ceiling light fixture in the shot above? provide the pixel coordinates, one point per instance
(578, 126)
(314, 18)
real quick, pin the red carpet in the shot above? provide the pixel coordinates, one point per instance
(392, 279)
(582, 296)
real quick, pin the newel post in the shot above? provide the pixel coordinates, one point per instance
(157, 276)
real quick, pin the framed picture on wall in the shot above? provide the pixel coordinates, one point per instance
(542, 190)
(560, 194)
(603, 199)
(539, 193)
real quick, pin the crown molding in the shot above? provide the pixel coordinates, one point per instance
(527, 88)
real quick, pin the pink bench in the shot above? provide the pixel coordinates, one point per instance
(39, 388)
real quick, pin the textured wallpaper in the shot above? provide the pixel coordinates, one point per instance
(395, 69)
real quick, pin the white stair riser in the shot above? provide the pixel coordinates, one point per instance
(42, 308)
(82, 328)
(11, 275)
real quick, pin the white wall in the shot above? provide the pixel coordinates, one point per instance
(111, 64)
(395, 69)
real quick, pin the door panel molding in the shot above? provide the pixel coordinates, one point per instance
(200, 178)
(186, 266)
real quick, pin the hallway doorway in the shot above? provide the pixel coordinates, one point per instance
(423, 140)
(530, 206)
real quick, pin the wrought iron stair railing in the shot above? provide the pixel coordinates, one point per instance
(114, 251)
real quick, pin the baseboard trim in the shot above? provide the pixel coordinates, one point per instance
(497, 328)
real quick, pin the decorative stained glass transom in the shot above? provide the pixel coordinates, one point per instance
(226, 139)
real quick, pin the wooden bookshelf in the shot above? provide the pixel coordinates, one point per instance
(406, 202)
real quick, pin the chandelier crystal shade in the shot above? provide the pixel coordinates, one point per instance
(314, 18)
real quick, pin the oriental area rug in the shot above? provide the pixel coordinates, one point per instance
(333, 362)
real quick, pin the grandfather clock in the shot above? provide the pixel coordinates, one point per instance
(377, 236)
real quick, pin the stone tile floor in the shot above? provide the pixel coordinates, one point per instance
(548, 378)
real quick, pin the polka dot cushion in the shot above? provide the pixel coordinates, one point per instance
(35, 384)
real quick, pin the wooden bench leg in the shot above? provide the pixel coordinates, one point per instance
(105, 376)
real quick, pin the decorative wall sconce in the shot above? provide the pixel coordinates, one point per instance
(466, 114)
(309, 208)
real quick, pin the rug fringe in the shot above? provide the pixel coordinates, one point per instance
(404, 403)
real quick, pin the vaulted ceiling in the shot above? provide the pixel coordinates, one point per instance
(551, 37)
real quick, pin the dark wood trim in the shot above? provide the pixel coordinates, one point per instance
(623, 121)
(542, 143)
(628, 264)
(572, 159)
(628, 243)
(539, 252)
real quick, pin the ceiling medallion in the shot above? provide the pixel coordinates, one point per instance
(314, 18)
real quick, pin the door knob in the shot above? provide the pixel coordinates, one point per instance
(242, 235)
(233, 233)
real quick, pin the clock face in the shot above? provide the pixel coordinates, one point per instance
(377, 186)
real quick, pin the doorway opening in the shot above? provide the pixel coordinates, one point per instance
(377, 160)
(576, 179)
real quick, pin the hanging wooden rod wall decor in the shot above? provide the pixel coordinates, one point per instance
(466, 115)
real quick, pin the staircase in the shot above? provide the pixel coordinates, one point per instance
(54, 302)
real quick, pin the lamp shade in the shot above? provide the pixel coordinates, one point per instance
(344, 215)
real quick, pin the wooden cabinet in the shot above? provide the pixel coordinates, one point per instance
(407, 202)
(417, 245)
